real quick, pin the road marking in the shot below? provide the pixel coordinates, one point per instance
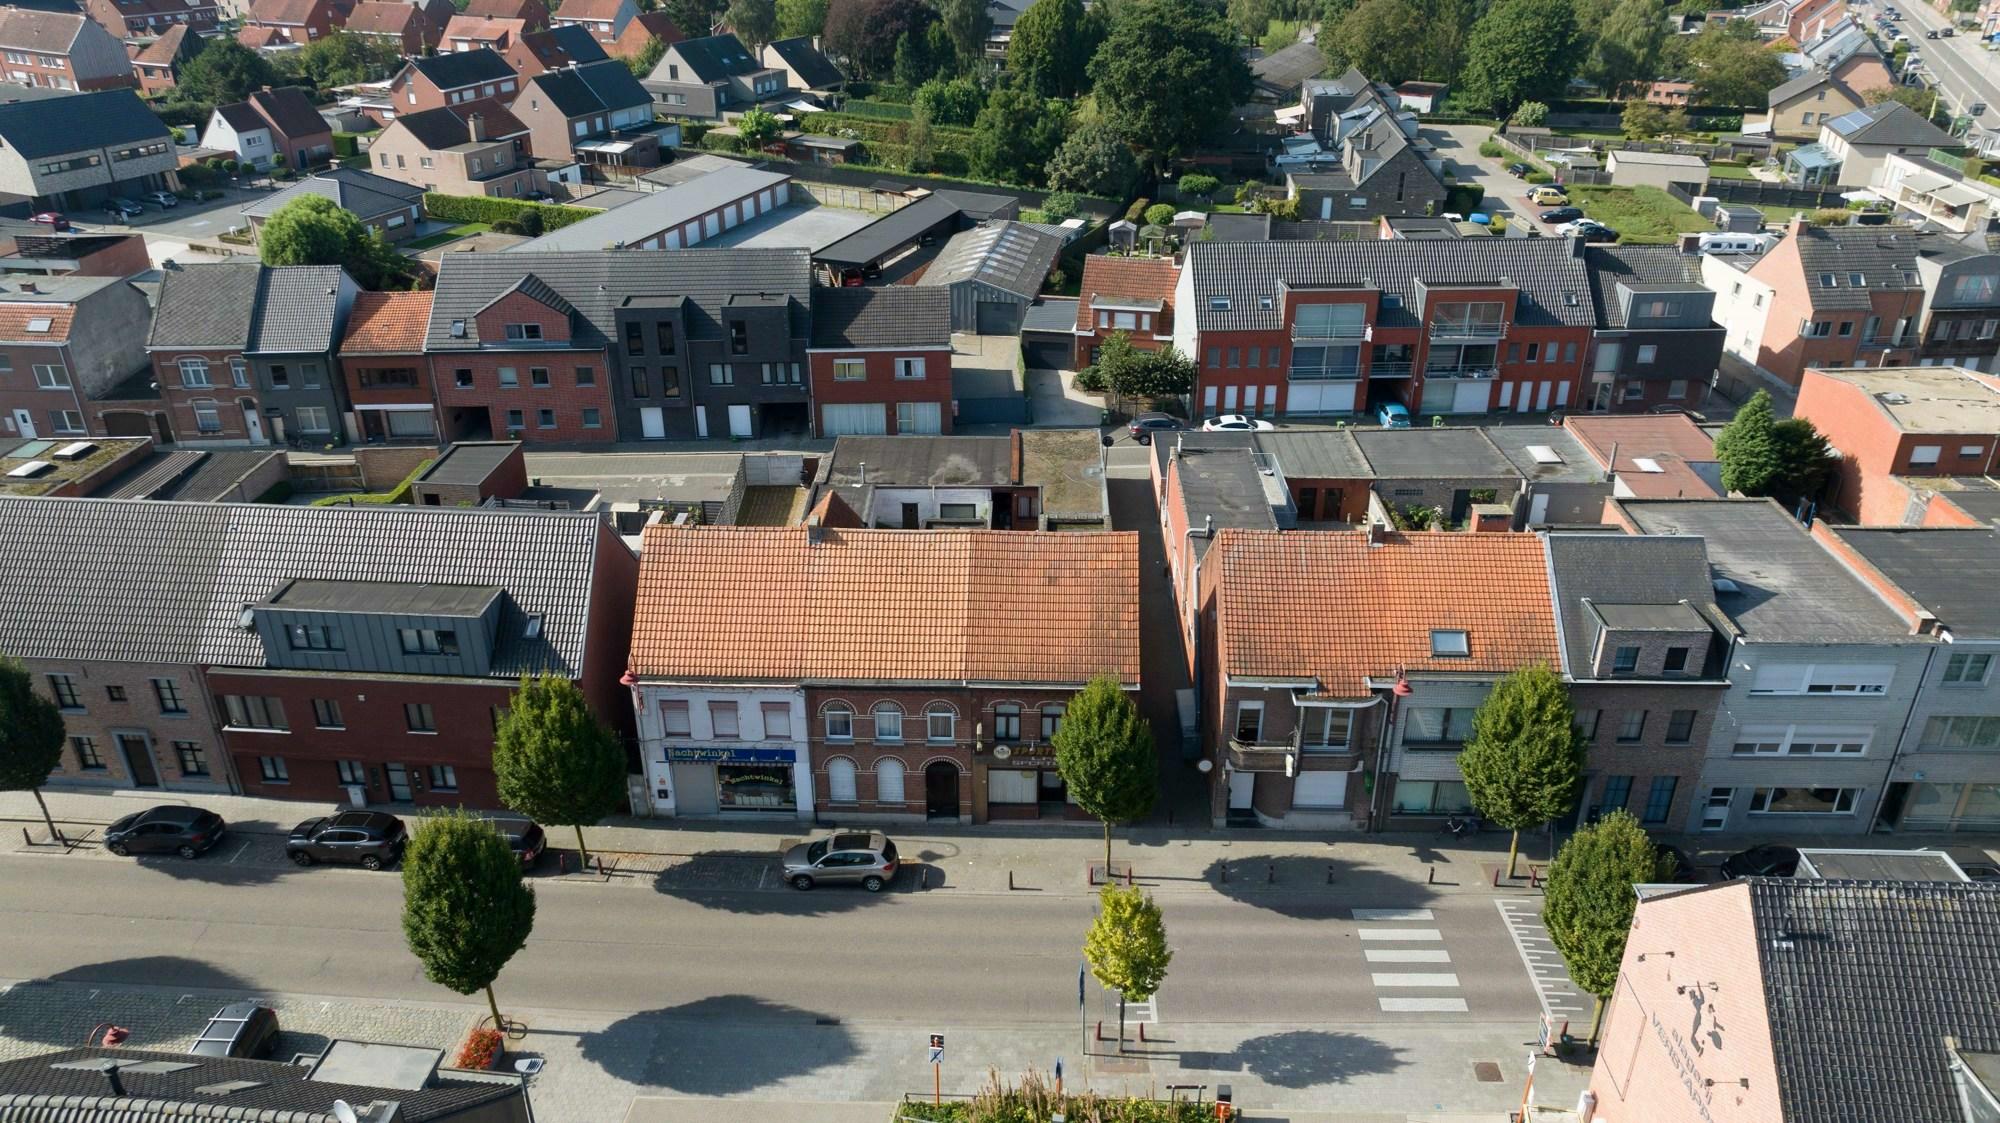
(1422, 1005)
(762, 873)
(1553, 988)
(239, 852)
(1394, 914)
(1408, 955)
(1401, 934)
(1390, 979)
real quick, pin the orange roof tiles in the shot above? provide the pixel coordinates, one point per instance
(14, 320)
(388, 323)
(1132, 278)
(1328, 605)
(792, 604)
(1641, 434)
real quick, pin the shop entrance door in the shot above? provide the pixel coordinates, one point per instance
(1054, 794)
(941, 790)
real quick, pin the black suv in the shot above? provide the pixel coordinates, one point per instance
(167, 829)
(523, 836)
(1761, 861)
(369, 839)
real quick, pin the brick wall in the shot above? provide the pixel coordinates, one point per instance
(178, 401)
(384, 467)
(563, 394)
(139, 715)
(1606, 706)
(881, 384)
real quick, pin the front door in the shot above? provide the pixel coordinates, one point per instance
(1241, 785)
(1715, 812)
(253, 422)
(1054, 793)
(941, 790)
(653, 423)
(739, 421)
(139, 761)
(1601, 400)
(399, 782)
(911, 521)
(24, 420)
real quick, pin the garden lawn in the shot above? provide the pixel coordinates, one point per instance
(452, 235)
(1728, 171)
(1643, 215)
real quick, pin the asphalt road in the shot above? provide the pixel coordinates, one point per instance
(1965, 70)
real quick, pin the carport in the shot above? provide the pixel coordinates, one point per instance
(1048, 334)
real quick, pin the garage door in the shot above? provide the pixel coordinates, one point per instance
(1471, 397)
(1320, 789)
(997, 318)
(1309, 397)
(1048, 354)
(866, 420)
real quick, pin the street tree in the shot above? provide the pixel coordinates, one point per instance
(555, 762)
(1015, 134)
(1521, 49)
(1588, 901)
(1051, 47)
(1094, 160)
(466, 910)
(1156, 57)
(31, 736)
(1525, 758)
(315, 230)
(799, 17)
(753, 21)
(223, 73)
(1104, 751)
(1127, 947)
(1385, 39)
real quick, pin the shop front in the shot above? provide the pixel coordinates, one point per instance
(1022, 786)
(692, 781)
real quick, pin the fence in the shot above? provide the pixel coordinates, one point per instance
(1760, 194)
(854, 198)
(1531, 142)
(839, 175)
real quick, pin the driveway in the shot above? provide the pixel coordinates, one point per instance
(1459, 146)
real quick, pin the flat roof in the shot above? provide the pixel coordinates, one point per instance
(1928, 399)
(654, 213)
(385, 598)
(1068, 465)
(469, 462)
(1634, 156)
(889, 233)
(1455, 453)
(1545, 453)
(1650, 617)
(636, 477)
(1224, 484)
(48, 471)
(1879, 865)
(921, 461)
(1953, 572)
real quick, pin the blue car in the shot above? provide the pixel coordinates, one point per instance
(1392, 415)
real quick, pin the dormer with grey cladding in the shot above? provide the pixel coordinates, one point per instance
(382, 627)
(757, 327)
(1646, 641)
(1657, 306)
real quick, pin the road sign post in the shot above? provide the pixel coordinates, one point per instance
(937, 1069)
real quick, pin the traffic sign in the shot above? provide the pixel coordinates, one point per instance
(1079, 986)
(937, 1055)
(937, 1040)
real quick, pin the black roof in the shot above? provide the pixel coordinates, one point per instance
(103, 119)
(716, 58)
(1635, 265)
(577, 43)
(883, 316)
(1623, 570)
(1950, 571)
(592, 89)
(885, 235)
(454, 69)
(809, 63)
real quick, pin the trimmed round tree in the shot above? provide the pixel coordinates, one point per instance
(466, 910)
(31, 736)
(1588, 901)
(1104, 751)
(1127, 947)
(1525, 759)
(554, 761)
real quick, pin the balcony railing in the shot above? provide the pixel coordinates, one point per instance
(1467, 329)
(1461, 372)
(1258, 756)
(1334, 331)
(1324, 374)
(1391, 370)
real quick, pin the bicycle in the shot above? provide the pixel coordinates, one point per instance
(1460, 828)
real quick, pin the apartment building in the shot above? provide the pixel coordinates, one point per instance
(1896, 429)
(64, 340)
(95, 145)
(1657, 342)
(1824, 296)
(144, 19)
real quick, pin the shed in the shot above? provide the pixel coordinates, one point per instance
(1631, 168)
(994, 271)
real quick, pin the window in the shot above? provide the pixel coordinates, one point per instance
(1807, 678)
(674, 720)
(840, 722)
(1660, 799)
(1798, 740)
(1680, 727)
(1586, 723)
(207, 418)
(51, 377)
(417, 717)
(940, 724)
(517, 420)
(66, 421)
(462, 378)
(670, 382)
(444, 778)
(663, 336)
(739, 337)
(723, 719)
(273, 770)
(194, 374)
(1449, 644)
(850, 370)
(640, 388)
(1816, 329)
(1968, 732)
(1846, 329)
(909, 368)
(313, 419)
(1625, 660)
(524, 331)
(1434, 725)
(777, 721)
(326, 714)
(635, 339)
(721, 374)
(1633, 727)
(1007, 722)
(888, 718)
(1617, 793)
(350, 771)
(957, 512)
(840, 780)
(428, 641)
(64, 689)
(1967, 452)
(1965, 668)
(593, 418)
(1325, 729)
(1676, 661)
(545, 419)
(538, 376)
(192, 759)
(168, 692)
(889, 780)
(114, 692)
(1804, 801)
(1249, 722)
(87, 756)
(1648, 353)
(281, 378)
(1430, 797)
(509, 378)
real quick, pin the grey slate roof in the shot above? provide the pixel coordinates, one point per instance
(1289, 66)
(1889, 123)
(1885, 256)
(882, 316)
(298, 309)
(288, 108)
(1789, 588)
(241, 118)
(132, 580)
(1811, 79)
(578, 45)
(654, 212)
(103, 119)
(453, 69)
(1644, 265)
(1011, 256)
(713, 58)
(446, 126)
(1555, 287)
(1863, 980)
(809, 63)
(597, 88)
(1619, 569)
(206, 306)
(594, 283)
(364, 193)
(1950, 571)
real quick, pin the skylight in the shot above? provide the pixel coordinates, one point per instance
(1447, 643)
(1828, 281)
(1218, 304)
(1544, 454)
(40, 323)
(1646, 464)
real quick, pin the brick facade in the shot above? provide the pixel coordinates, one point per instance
(478, 403)
(880, 384)
(134, 738)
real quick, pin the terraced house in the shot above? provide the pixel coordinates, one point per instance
(64, 340)
(101, 144)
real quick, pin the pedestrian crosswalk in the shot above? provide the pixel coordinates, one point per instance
(1388, 939)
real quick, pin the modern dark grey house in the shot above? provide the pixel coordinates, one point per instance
(1656, 341)
(711, 77)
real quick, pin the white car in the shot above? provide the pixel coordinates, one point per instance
(1236, 423)
(1580, 226)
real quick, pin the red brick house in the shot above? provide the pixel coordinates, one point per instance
(537, 52)
(507, 360)
(1896, 429)
(881, 361)
(471, 33)
(1134, 295)
(533, 13)
(142, 19)
(1839, 296)
(382, 360)
(61, 51)
(397, 22)
(63, 341)
(643, 29)
(157, 65)
(294, 21)
(452, 78)
(875, 720)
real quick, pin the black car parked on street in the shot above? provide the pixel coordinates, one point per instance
(524, 836)
(1762, 861)
(167, 829)
(369, 839)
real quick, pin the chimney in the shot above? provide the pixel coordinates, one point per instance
(111, 1078)
(475, 128)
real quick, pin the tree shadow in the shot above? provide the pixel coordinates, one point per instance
(1302, 1058)
(719, 1046)
(752, 883)
(1311, 888)
(63, 1009)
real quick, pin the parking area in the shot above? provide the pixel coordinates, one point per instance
(810, 225)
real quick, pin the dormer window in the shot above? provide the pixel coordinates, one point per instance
(1266, 303)
(1449, 644)
(458, 329)
(529, 332)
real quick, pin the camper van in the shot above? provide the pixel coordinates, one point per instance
(1723, 241)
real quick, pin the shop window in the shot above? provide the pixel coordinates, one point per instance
(755, 787)
(1430, 797)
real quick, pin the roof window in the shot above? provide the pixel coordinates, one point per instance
(1828, 281)
(1266, 303)
(1218, 304)
(1449, 643)
(40, 323)
(1544, 454)
(458, 329)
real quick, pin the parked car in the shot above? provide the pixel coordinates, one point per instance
(242, 1029)
(1930, 34)
(54, 220)
(1562, 214)
(1146, 424)
(1762, 861)
(1673, 865)
(867, 860)
(524, 837)
(369, 839)
(1392, 415)
(1236, 423)
(1520, 169)
(1548, 196)
(167, 829)
(124, 210)
(163, 199)
(1589, 230)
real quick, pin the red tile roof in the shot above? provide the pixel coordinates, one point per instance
(14, 320)
(578, 11)
(164, 50)
(255, 37)
(1641, 434)
(1132, 278)
(388, 323)
(794, 604)
(382, 17)
(1331, 606)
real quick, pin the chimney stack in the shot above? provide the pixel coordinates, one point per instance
(475, 127)
(111, 1078)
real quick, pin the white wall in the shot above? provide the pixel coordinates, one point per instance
(750, 732)
(887, 509)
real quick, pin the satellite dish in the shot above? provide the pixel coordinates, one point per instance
(344, 1113)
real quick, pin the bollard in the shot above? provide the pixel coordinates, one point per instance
(1270, 873)
(1431, 874)
(1225, 873)
(1128, 877)
(1142, 1033)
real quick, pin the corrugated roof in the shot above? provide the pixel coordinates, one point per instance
(1010, 256)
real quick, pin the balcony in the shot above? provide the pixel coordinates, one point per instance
(1470, 330)
(1391, 370)
(1259, 756)
(1343, 372)
(1472, 371)
(1333, 331)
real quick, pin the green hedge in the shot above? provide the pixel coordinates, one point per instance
(473, 208)
(886, 110)
(398, 494)
(721, 142)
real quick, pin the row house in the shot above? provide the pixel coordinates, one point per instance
(61, 51)
(877, 721)
(102, 143)
(1360, 155)
(696, 344)
(1960, 314)
(378, 679)
(292, 22)
(533, 14)
(387, 375)
(405, 27)
(1459, 327)
(244, 353)
(157, 65)
(712, 77)
(1899, 429)
(604, 20)
(454, 79)
(475, 33)
(458, 150)
(881, 361)
(30, 249)
(595, 114)
(536, 52)
(1657, 343)
(1030, 479)
(1133, 295)
(269, 125)
(144, 19)
(63, 340)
